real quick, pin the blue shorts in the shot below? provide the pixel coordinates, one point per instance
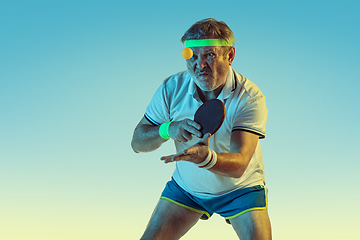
(229, 205)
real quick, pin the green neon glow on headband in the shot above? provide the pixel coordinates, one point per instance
(206, 43)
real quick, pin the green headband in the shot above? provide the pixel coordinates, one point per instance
(206, 43)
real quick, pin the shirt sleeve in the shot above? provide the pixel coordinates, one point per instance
(158, 112)
(252, 115)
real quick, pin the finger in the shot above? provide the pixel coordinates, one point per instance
(175, 158)
(172, 157)
(187, 135)
(206, 139)
(181, 138)
(194, 130)
(184, 136)
(181, 158)
(166, 157)
(193, 124)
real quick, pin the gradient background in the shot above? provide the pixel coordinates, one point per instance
(76, 77)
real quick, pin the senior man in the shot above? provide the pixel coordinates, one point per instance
(232, 182)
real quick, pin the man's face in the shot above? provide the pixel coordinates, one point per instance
(209, 66)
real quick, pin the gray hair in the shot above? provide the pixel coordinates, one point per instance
(209, 27)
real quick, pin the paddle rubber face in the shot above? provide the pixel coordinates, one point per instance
(210, 116)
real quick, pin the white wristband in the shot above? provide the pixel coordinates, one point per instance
(206, 161)
(209, 161)
(213, 162)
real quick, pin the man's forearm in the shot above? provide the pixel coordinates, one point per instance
(230, 165)
(146, 138)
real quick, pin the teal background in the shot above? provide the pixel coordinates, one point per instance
(76, 77)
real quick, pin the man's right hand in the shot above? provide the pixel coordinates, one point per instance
(146, 136)
(183, 130)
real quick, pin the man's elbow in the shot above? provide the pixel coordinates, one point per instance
(135, 151)
(140, 146)
(236, 174)
(239, 170)
(134, 146)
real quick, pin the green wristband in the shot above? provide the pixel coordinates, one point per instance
(164, 130)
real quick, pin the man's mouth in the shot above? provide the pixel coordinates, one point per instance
(203, 74)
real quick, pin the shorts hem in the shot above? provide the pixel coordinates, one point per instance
(251, 209)
(190, 208)
(245, 211)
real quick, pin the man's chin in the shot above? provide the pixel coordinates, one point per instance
(205, 78)
(206, 88)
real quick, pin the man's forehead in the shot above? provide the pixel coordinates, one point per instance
(206, 49)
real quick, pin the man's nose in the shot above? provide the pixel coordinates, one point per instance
(201, 63)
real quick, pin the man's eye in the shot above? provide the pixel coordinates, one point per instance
(211, 55)
(193, 58)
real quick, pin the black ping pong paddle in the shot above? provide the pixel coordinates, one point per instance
(210, 115)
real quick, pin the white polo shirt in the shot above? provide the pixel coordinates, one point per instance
(177, 99)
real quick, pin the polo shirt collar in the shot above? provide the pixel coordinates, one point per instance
(229, 86)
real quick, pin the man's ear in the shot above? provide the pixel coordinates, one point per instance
(231, 55)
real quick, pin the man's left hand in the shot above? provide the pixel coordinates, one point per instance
(196, 153)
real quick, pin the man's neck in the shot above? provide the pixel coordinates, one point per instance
(208, 95)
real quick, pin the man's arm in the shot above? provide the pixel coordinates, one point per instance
(232, 164)
(146, 136)
(242, 148)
